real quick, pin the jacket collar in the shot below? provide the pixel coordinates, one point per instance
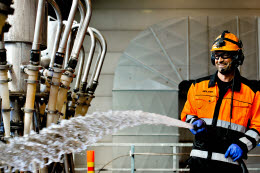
(237, 86)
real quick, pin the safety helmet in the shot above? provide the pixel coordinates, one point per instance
(228, 42)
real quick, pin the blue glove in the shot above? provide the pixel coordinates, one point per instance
(234, 151)
(199, 126)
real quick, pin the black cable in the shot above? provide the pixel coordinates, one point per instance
(112, 161)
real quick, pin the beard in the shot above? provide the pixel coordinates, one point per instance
(225, 67)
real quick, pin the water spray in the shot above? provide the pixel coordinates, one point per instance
(75, 135)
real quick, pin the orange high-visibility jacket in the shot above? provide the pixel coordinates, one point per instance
(204, 101)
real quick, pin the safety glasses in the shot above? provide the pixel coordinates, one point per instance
(223, 55)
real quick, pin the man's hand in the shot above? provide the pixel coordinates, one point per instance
(198, 126)
(234, 151)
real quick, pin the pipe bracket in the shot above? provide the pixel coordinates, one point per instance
(27, 110)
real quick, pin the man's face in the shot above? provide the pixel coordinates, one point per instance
(223, 62)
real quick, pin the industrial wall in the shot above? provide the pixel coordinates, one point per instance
(122, 20)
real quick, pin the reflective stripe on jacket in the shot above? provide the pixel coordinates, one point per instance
(204, 101)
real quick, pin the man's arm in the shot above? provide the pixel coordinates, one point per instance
(243, 145)
(189, 113)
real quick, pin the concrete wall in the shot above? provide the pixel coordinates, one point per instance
(121, 20)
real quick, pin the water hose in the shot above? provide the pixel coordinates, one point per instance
(94, 81)
(32, 70)
(89, 98)
(81, 91)
(4, 91)
(68, 75)
(55, 70)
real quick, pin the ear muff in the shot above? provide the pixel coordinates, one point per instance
(239, 58)
(212, 59)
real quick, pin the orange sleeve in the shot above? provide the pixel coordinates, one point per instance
(189, 107)
(255, 110)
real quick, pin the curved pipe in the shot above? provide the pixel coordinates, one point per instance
(90, 57)
(96, 64)
(58, 33)
(81, 63)
(38, 24)
(82, 11)
(82, 32)
(68, 27)
(67, 54)
(103, 54)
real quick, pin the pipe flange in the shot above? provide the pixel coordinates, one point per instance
(5, 81)
(64, 86)
(51, 112)
(31, 81)
(27, 110)
(33, 67)
(6, 67)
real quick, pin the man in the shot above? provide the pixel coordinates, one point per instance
(224, 109)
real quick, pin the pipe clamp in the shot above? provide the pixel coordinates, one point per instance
(27, 110)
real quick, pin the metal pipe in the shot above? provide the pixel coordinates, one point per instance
(91, 89)
(81, 101)
(30, 99)
(67, 54)
(90, 58)
(82, 32)
(36, 38)
(4, 90)
(67, 77)
(68, 27)
(103, 54)
(90, 95)
(81, 63)
(32, 71)
(132, 159)
(97, 61)
(58, 32)
(82, 11)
